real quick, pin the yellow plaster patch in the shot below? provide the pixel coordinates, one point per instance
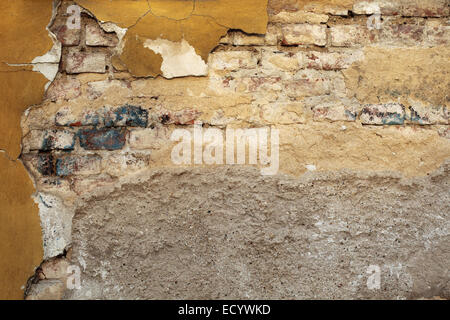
(140, 61)
(124, 13)
(20, 232)
(19, 89)
(24, 36)
(175, 9)
(247, 15)
(387, 75)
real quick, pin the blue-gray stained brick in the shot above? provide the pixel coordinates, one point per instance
(127, 116)
(102, 138)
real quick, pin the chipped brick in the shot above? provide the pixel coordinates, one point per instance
(304, 34)
(329, 60)
(273, 35)
(273, 62)
(65, 88)
(67, 37)
(82, 62)
(233, 60)
(423, 115)
(97, 88)
(47, 140)
(96, 37)
(102, 139)
(335, 112)
(45, 164)
(407, 8)
(127, 116)
(351, 35)
(381, 114)
(83, 165)
(115, 164)
(183, 117)
(299, 17)
(66, 117)
(149, 138)
(239, 38)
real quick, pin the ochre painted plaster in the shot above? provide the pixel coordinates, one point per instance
(203, 39)
(200, 23)
(23, 30)
(20, 88)
(24, 36)
(140, 62)
(249, 15)
(172, 9)
(113, 11)
(20, 232)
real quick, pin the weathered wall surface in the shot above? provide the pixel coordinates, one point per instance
(362, 114)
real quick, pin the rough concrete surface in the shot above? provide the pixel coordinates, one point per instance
(229, 233)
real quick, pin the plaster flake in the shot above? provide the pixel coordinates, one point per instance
(179, 58)
(49, 70)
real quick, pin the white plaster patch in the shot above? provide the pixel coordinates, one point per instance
(56, 224)
(179, 58)
(49, 70)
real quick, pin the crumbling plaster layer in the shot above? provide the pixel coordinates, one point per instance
(229, 233)
(199, 23)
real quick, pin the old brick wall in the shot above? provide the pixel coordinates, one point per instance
(359, 93)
